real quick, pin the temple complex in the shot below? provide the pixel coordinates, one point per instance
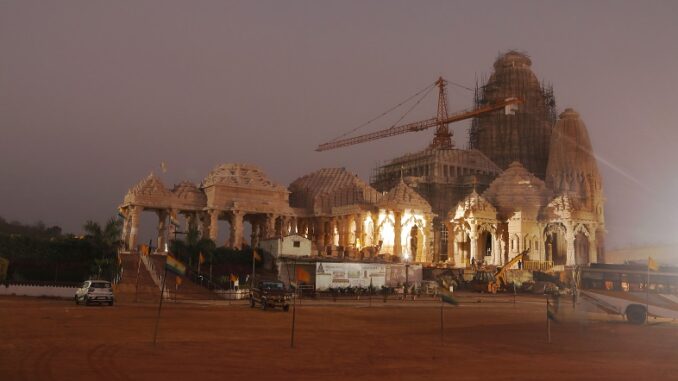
(528, 182)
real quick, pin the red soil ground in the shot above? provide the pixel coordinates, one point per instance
(43, 339)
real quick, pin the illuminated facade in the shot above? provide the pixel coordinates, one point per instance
(526, 183)
(560, 220)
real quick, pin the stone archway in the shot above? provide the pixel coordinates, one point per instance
(555, 243)
(581, 245)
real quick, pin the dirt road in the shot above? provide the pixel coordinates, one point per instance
(46, 340)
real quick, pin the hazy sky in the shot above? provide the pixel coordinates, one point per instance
(95, 94)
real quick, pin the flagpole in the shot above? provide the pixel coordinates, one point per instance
(548, 322)
(254, 261)
(136, 286)
(157, 319)
(442, 331)
(647, 295)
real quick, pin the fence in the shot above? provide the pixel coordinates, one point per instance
(537, 265)
(44, 289)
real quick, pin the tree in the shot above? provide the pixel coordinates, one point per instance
(105, 242)
(188, 251)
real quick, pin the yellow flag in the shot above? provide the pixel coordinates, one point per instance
(201, 258)
(179, 280)
(652, 264)
(256, 255)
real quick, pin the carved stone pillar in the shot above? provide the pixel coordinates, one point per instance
(269, 227)
(569, 239)
(593, 246)
(135, 213)
(359, 231)
(333, 231)
(124, 234)
(173, 223)
(320, 235)
(162, 230)
(214, 224)
(496, 249)
(397, 230)
(427, 248)
(473, 236)
(450, 242)
(375, 229)
(236, 229)
(254, 237)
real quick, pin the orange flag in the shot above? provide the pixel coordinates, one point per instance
(201, 258)
(179, 280)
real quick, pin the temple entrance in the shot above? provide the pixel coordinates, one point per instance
(444, 242)
(485, 246)
(415, 244)
(555, 244)
(581, 249)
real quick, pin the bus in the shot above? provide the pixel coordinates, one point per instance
(630, 290)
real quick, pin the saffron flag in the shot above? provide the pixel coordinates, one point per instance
(448, 299)
(201, 258)
(179, 280)
(256, 255)
(303, 275)
(175, 266)
(652, 264)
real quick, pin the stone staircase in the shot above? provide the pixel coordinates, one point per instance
(188, 290)
(126, 289)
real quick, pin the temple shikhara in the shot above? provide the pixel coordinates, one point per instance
(528, 181)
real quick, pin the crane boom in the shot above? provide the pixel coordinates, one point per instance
(418, 126)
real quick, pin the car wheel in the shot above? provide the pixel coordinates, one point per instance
(110, 303)
(263, 305)
(76, 300)
(286, 307)
(85, 300)
(636, 314)
(252, 303)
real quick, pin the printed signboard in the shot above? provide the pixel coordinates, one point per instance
(341, 275)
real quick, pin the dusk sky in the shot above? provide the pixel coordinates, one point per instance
(94, 95)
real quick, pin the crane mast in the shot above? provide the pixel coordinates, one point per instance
(443, 136)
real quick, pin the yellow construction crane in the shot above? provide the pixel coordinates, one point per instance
(443, 136)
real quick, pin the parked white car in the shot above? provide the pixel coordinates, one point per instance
(95, 291)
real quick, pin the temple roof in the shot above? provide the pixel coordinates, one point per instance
(572, 168)
(240, 175)
(516, 189)
(474, 205)
(151, 185)
(326, 180)
(327, 188)
(512, 58)
(401, 197)
(187, 191)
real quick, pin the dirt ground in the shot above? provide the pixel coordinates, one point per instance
(488, 338)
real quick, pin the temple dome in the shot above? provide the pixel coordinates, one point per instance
(517, 190)
(188, 192)
(240, 175)
(151, 185)
(512, 58)
(326, 188)
(402, 197)
(474, 205)
(572, 168)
